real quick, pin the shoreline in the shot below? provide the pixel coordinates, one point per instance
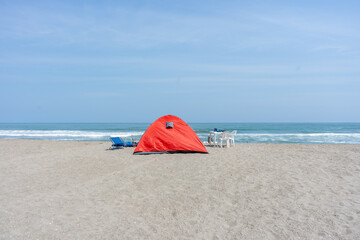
(205, 144)
(307, 133)
(80, 190)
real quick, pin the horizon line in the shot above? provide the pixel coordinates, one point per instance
(188, 122)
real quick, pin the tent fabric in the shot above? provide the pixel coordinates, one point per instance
(179, 139)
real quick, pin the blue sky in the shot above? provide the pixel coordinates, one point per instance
(204, 61)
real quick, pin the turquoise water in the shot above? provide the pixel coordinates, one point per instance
(334, 133)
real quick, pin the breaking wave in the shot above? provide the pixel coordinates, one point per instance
(323, 138)
(330, 133)
(66, 134)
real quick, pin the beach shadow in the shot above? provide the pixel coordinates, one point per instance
(210, 145)
(112, 149)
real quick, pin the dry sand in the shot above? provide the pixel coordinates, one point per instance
(81, 190)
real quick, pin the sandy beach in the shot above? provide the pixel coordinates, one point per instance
(81, 190)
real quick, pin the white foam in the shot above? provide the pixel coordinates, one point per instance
(336, 138)
(63, 134)
(350, 138)
(300, 134)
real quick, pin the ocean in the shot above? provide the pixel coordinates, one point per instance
(319, 133)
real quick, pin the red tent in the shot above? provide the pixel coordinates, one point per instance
(169, 134)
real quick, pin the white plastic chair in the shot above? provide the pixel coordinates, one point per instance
(225, 138)
(232, 137)
(213, 138)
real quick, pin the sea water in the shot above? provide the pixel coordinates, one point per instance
(321, 133)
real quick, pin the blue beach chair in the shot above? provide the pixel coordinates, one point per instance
(119, 143)
(128, 142)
